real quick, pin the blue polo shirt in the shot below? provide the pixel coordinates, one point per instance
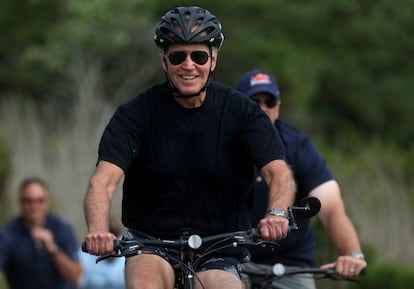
(26, 264)
(310, 170)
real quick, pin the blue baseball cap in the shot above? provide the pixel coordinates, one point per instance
(255, 81)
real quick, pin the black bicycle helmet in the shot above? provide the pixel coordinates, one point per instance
(188, 25)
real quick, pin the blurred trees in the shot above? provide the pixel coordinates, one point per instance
(4, 171)
(346, 62)
(25, 25)
(345, 71)
(345, 65)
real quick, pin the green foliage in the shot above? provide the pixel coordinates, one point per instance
(345, 62)
(4, 162)
(370, 76)
(343, 68)
(4, 172)
(22, 23)
(379, 275)
(339, 61)
(377, 187)
(385, 276)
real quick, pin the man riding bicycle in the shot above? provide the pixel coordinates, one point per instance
(187, 149)
(313, 178)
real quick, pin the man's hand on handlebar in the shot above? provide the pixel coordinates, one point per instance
(347, 266)
(273, 228)
(100, 243)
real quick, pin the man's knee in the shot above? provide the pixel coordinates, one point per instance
(217, 279)
(148, 271)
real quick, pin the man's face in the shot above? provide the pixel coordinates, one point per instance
(34, 203)
(268, 104)
(186, 68)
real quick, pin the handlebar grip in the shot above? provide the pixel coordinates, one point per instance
(84, 247)
(117, 244)
(255, 232)
(293, 228)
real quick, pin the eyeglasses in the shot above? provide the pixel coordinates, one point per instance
(178, 57)
(270, 101)
(40, 200)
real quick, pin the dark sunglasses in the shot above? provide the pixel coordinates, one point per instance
(270, 101)
(39, 200)
(178, 57)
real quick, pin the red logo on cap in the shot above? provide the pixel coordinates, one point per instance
(260, 78)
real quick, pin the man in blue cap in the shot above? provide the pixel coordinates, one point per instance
(313, 178)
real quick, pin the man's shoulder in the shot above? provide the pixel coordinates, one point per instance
(231, 99)
(12, 225)
(12, 230)
(140, 105)
(290, 133)
(299, 146)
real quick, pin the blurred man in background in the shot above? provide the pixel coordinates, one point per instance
(38, 250)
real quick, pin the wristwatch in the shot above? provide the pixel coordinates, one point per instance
(277, 212)
(358, 255)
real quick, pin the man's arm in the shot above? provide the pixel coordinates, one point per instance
(340, 228)
(102, 187)
(282, 188)
(68, 268)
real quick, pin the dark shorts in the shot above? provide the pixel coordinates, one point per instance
(228, 263)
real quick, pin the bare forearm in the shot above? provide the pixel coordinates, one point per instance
(281, 185)
(69, 269)
(102, 187)
(340, 228)
(334, 218)
(97, 206)
(282, 188)
(345, 239)
(342, 233)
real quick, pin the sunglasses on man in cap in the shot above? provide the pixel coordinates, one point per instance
(270, 101)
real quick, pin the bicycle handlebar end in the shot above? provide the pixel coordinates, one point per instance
(363, 272)
(83, 247)
(293, 228)
(117, 244)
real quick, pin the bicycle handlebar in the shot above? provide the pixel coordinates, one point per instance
(234, 239)
(309, 205)
(279, 270)
(244, 238)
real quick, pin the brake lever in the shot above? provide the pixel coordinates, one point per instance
(266, 243)
(107, 256)
(335, 276)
